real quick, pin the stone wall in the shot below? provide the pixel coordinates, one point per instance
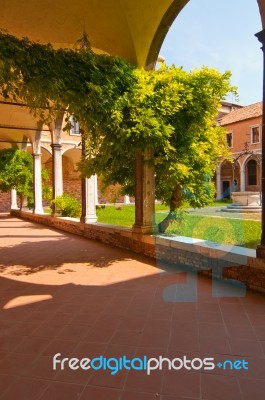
(73, 188)
(220, 261)
(5, 202)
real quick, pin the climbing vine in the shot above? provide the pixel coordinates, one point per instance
(122, 110)
(48, 80)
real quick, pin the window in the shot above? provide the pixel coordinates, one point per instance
(252, 172)
(255, 134)
(75, 130)
(229, 138)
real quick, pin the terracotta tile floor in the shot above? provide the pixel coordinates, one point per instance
(63, 294)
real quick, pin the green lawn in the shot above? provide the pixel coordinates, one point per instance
(222, 230)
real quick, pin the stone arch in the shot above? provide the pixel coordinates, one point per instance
(6, 142)
(169, 17)
(261, 5)
(162, 30)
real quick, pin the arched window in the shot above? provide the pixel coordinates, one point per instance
(75, 127)
(252, 172)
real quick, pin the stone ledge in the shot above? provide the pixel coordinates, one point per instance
(231, 262)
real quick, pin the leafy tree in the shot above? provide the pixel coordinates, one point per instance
(16, 171)
(171, 112)
(123, 111)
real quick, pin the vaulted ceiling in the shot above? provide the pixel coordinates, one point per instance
(133, 29)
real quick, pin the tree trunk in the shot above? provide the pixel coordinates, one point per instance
(175, 203)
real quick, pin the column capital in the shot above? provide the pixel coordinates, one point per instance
(261, 37)
(56, 146)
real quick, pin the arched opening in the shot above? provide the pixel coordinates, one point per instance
(230, 178)
(17, 140)
(253, 175)
(71, 175)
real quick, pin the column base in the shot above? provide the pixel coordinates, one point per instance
(260, 251)
(38, 211)
(145, 230)
(56, 214)
(88, 220)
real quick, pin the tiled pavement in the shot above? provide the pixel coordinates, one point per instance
(64, 294)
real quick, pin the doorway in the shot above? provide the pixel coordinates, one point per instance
(226, 189)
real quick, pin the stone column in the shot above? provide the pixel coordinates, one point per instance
(13, 199)
(261, 247)
(126, 199)
(88, 186)
(24, 203)
(218, 183)
(242, 178)
(37, 184)
(88, 200)
(96, 189)
(57, 169)
(144, 195)
(57, 173)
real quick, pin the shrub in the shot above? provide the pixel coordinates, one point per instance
(67, 205)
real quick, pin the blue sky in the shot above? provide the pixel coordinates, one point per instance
(220, 34)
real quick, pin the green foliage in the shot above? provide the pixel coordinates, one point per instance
(111, 192)
(222, 230)
(123, 217)
(123, 111)
(47, 192)
(46, 188)
(30, 200)
(237, 232)
(16, 171)
(171, 112)
(49, 80)
(67, 205)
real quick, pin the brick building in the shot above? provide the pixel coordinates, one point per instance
(244, 132)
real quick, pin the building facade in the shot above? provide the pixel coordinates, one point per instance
(244, 139)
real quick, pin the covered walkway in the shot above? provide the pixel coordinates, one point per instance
(61, 293)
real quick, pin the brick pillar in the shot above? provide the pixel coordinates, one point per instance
(218, 183)
(261, 247)
(242, 178)
(144, 195)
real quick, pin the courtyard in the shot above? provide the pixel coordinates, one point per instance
(61, 293)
